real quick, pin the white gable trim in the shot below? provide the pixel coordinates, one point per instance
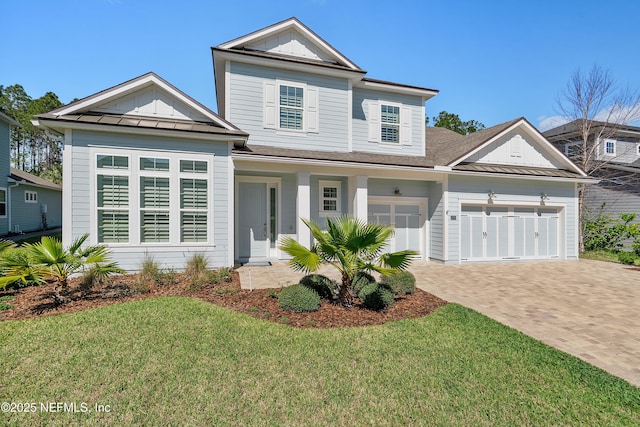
(544, 143)
(133, 85)
(291, 23)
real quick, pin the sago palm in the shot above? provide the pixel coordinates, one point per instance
(350, 246)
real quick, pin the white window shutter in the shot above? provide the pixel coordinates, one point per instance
(405, 126)
(374, 121)
(311, 110)
(270, 105)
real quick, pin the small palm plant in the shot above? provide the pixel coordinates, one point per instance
(49, 259)
(349, 245)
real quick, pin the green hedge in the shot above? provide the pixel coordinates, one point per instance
(324, 286)
(400, 283)
(299, 298)
(375, 296)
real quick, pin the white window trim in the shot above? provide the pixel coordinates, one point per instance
(310, 108)
(6, 202)
(134, 173)
(322, 184)
(604, 147)
(28, 199)
(375, 123)
(637, 149)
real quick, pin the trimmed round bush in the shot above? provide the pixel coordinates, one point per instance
(319, 283)
(299, 299)
(361, 280)
(375, 297)
(400, 282)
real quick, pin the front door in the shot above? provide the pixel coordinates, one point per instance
(252, 220)
(257, 214)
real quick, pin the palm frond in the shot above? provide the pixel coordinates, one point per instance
(303, 259)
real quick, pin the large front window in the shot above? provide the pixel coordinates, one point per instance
(389, 123)
(150, 199)
(291, 107)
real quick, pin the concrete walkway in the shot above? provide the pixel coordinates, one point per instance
(589, 309)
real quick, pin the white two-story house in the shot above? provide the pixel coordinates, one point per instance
(301, 132)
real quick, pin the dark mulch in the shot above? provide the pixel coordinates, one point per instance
(36, 301)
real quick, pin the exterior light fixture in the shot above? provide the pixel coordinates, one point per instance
(543, 198)
(397, 192)
(491, 196)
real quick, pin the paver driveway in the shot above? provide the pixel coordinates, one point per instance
(590, 309)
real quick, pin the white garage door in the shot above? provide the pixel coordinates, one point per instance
(508, 232)
(408, 221)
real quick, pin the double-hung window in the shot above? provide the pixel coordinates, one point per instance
(152, 199)
(291, 101)
(610, 147)
(112, 184)
(330, 198)
(193, 201)
(389, 123)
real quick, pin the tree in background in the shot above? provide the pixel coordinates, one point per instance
(596, 108)
(453, 122)
(32, 149)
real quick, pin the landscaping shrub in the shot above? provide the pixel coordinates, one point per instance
(375, 296)
(361, 280)
(319, 283)
(627, 258)
(400, 282)
(298, 298)
(606, 233)
(197, 271)
(19, 270)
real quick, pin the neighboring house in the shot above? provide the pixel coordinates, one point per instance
(27, 202)
(148, 170)
(616, 160)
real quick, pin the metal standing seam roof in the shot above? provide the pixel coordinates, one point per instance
(144, 122)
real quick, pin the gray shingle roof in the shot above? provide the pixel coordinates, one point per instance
(22, 176)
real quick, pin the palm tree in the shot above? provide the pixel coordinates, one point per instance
(349, 245)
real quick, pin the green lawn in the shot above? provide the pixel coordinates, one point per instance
(178, 361)
(600, 256)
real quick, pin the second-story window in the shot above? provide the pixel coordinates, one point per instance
(610, 148)
(389, 123)
(291, 107)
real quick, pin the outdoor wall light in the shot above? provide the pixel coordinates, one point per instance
(543, 198)
(491, 195)
(397, 192)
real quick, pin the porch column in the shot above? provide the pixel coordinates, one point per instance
(360, 198)
(303, 208)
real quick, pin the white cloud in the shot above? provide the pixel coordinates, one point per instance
(546, 123)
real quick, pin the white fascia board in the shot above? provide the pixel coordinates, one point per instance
(289, 65)
(424, 93)
(585, 180)
(31, 184)
(61, 127)
(290, 23)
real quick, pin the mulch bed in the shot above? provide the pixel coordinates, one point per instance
(36, 301)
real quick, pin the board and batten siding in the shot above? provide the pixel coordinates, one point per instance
(364, 99)
(130, 256)
(5, 167)
(512, 192)
(247, 106)
(27, 216)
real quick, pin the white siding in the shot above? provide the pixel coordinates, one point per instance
(130, 256)
(290, 43)
(515, 148)
(247, 105)
(364, 100)
(435, 216)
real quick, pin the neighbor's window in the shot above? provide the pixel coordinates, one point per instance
(638, 149)
(389, 123)
(330, 197)
(30, 196)
(291, 107)
(3, 202)
(610, 147)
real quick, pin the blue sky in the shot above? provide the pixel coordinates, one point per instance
(492, 60)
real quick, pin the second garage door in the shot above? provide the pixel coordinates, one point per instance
(408, 220)
(509, 232)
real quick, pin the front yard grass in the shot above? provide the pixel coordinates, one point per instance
(606, 256)
(181, 361)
